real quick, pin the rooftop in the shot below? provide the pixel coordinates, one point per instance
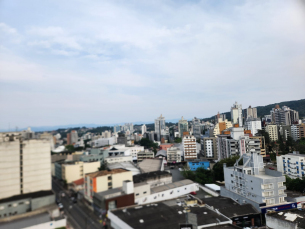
(106, 172)
(171, 186)
(124, 165)
(162, 216)
(27, 195)
(292, 216)
(150, 165)
(79, 181)
(151, 175)
(230, 208)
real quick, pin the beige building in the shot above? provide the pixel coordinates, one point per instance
(220, 126)
(174, 155)
(105, 180)
(272, 131)
(25, 165)
(146, 154)
(189, 145)
(76, 170)
(118, 159)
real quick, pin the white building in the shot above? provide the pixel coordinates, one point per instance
(253, 124)
(25, 165)
(252, 183)
(291, 164)
(144, 129)
(174, 155)
(295, 132)
(159, 126)
(272, 131)
(103, 142)
(118, 159)
(190, 147)
(236, 114)
(251, 112)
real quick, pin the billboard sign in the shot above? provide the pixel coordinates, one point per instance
(279, 207)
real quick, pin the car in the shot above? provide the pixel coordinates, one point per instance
(193, 193)
(172, 167)
(73, 200)
(271, 168)
(60, 206)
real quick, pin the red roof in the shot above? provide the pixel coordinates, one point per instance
(79, 181)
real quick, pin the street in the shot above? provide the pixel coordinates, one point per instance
(78, 215)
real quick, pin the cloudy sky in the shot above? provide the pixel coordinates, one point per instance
(98, 61)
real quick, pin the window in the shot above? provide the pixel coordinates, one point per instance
(110, 178)
(282, 199)
(249, 172)
(144, 192)
(137, 194)
(109, 183)
(280, 184)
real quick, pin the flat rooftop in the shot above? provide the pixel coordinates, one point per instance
(150, 165)
(230, 208)
(162, 216)
(292, 216)
(171, 186)
(27, 195)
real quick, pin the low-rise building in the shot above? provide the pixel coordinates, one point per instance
(291, 164)
(146, 154)
(288, 219)
(104, 180)
(125, 165)
(154, 179)
(174, 155)
(118, 159)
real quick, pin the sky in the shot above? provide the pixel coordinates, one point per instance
(93, 61)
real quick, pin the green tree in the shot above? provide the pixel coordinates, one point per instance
(178, 140)
(148, 144)
(70, 148)
(103, 166)
(201, 175)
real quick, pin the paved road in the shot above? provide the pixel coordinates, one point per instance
(78, 215)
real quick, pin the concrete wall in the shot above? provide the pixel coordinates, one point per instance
(118, 178)
(12, 207)
(141, 191)
(272, 222)
(118, 159)
(42, 201)
(91, 167)
(49, 225)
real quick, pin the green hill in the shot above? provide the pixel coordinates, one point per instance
(298, 105)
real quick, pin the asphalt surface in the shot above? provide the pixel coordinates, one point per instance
(78, 215)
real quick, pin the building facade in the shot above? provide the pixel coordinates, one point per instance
(253, 124)
(183, 126)
(189, 145)
(159, 126)
(272, 131)
(236, 114)
(209, 148)
(144, 129)
(251, 112)
(174, 155)
(291, 164)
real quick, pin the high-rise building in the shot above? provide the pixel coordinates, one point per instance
(220, 126)
(144, 129)
(74, 137)
(183, 126)
(159, 126)
(25, 165)
(284, 115)
(197, 127)
(189, 145)
(272, 131)
(220, 117)
(236, 114)
(210, 148)
(291, 164)
(251, 112)
(253, 124)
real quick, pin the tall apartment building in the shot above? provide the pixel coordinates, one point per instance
(284, 115)
(183, 126)
(253, 124)
(146, 154)
(116, 128)
(252, 183)
(189, 145)
(272, 131)
(291, 164)
(144, 129)
(174, 155)
(122, 139)
(25, 165)
(221, 117)
(236, 114)
(159, 126)
(251, 112)
(295, 132)
(262, 144)
(285, 132)
(197, 128)
(209, 148)
(220, 126)
(74, 136)
(104, 180)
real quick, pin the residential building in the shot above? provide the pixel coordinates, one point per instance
(291, 164)
(146, 154)
(74, 137)
(116, 128)
(218, 117)
(251, 112)
(285, 131)
(253, 124)
(254, 184)
(75, 170)
(95, 155)
(100, 142)
(122, 139)
(197, 128)
(174, 155)
(104, 180)
(159, 126)
(195, 164)
(165, 146)
(262, 144)
(272, 131)
(287, 219)
(118, 159)
(189, 145)
(284, 115)
(221, 126)
(25, 165)
(236, 114)
(183, 126)
(295, 132)
(106, 134)
(144, 129)
(209, 148)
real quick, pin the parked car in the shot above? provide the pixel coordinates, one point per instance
(60, 206)
(193, 193)
(271, 168)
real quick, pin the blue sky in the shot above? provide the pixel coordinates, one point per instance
(91, 61)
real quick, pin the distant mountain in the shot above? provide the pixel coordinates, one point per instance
(298, 105)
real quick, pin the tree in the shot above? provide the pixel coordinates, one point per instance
(70, 148)
(218, 167)
(201, 175)
(149, 144)
(103, 166)
(178, 140)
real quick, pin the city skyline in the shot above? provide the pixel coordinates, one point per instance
(111, 61)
